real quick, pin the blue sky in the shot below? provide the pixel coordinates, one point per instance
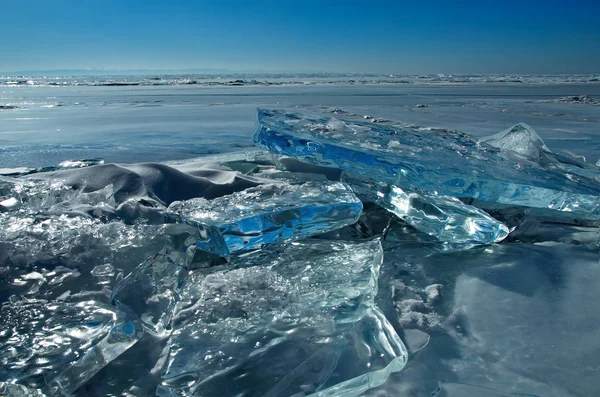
(314, 36)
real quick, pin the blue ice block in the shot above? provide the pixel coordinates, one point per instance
(447, 163)
(266, 214)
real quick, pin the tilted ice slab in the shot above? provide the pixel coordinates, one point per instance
(443, 217)
(449, 163)
(266, 214)
(295, 321)
(57, 346)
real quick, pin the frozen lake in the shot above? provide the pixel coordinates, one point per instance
(158, 123)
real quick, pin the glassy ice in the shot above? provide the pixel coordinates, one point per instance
(151, 289)
(448, 163)
(443, 217)
(57, 346)
(265, 214)
(299, 320)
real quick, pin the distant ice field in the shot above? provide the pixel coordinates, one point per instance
(44, 125)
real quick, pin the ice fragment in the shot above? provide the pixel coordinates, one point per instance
(59, 343)
(297, 321)
(445, 218)
(520, 138)
(266, 214)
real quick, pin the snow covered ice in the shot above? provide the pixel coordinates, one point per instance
(298, 320)
(449, 163)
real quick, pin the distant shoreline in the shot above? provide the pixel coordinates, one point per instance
(270, 79)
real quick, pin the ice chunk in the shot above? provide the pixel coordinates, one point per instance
(9, 204)
(61, 233)
(151, 289)
(523, 141)
(297, 321)
(61, 343)
(14, 390)
(443, 217)
(266, 214)
(520, 138)
(63, 165)
(449, 163)
(568, 157)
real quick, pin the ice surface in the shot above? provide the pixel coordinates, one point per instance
(443, 217)
(542, 296)
(266, 214)
(449, 163)
(297, 321)
(61, 344)
(151, 289)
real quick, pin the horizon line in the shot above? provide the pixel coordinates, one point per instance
(139, 71)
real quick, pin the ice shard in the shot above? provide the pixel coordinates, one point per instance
(151, 289)
(520, 138)
(524, 142)
(448, 163)
(266, 214)
(57, 346)
(299, 320)
(443, 217)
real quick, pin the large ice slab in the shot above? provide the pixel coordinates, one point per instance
(266, 214)
(151, 289)
(443, 217)
(296, 321)
(57, 346)
(449, 163)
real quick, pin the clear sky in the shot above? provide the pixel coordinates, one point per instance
(429, 36)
